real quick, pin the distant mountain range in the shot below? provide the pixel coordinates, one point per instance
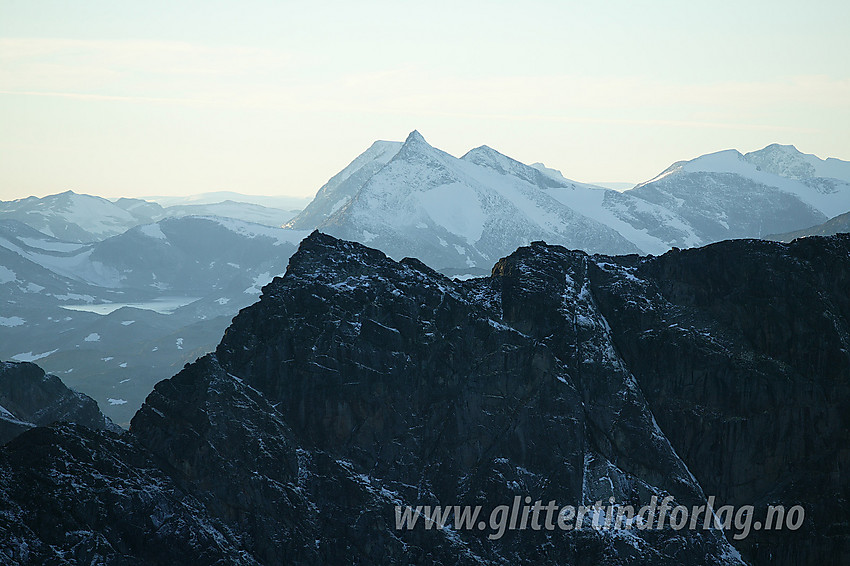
(460, 214)
(116, 295)
(84, 218)
(216, 197)
(116, 316)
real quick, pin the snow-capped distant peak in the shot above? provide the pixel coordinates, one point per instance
(70, 216)
(489, 157)
(415, 137)
(788, 161)
(416, 149)
(776, 159)
(415, 142)
(725, 161)
(485, 156)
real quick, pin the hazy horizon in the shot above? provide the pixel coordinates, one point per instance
(264, 98)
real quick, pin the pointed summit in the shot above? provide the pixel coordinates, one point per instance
(416, 149)
(415, 137)
(415, 142)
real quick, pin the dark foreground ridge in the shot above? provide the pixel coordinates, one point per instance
(358, 383)
(31, 398)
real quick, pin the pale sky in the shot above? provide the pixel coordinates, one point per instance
(272, 97)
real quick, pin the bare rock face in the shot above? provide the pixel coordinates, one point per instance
(358, 383)
(30, 398)
(742, 348)
(418, 381)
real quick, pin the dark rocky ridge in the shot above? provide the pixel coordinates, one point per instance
(358, 383)
(31, 398)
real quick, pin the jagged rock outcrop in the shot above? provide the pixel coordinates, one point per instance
(30, 398)
(358, 383)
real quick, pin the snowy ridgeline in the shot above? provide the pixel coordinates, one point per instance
(411, 199)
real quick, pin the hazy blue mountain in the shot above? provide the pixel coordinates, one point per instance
(113, 317)
(82, 218)
(839, 224)
(70, 216)
(247, 212)
(283, 202)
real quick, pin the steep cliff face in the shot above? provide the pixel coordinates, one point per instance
(742, 348)
(358, 383)
(30, 398)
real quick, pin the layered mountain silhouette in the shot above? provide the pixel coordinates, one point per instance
(114, 296)
(114, 317)
(358, 383)
(838, 225)
(81, 218)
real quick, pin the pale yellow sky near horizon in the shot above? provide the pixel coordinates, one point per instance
(265, 97)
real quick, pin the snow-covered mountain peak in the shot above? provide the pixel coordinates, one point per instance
(488, 157)
(415, 144)
(415, 137)
(724, 161)
(783, 160)
(784, 148)
(485, 156)
(727, 194)
(788, 161)
(418, 153)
